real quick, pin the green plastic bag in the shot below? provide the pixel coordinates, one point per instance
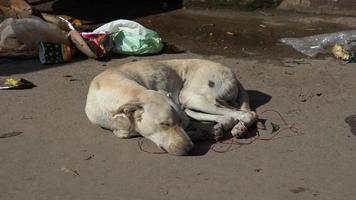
(132, 38)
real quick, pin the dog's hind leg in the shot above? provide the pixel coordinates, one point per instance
(125, 134)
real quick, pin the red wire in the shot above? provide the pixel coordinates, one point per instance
(228, 144)
(234, 141)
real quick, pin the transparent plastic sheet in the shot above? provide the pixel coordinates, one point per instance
(323, 43)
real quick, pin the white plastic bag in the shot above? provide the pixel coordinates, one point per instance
(132, 38)
(312, 45)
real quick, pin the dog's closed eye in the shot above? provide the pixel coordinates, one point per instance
(165, 124)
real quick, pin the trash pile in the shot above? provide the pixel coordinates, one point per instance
(13, 84)
(56, 39)
(340, 44)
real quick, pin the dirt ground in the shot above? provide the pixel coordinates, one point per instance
(61, 155)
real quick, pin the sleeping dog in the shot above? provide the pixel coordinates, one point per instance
(155, 99)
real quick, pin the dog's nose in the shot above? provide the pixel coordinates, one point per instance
(180, 149)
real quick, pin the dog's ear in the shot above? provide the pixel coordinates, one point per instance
(130, 111)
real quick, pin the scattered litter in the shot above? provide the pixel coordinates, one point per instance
(25, 118)
(71, 79)
(80, 44)
(75, 22)
(10, 134)
(50, 53)
(205, 25)
(298, 62)
(70, 171)
(295, 62)
(99, 43)
(275, 127)
(260, 125)
(262, 25)
(248, 53)
(172, 48)
(304, 97)
(323, 43)
(89, 157)
(258, 170)
(230, 33)
(74, 79)
(342, 54)
(12, 83)
(148, 23)
(289, 73)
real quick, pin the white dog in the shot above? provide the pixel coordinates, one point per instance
(154, 98)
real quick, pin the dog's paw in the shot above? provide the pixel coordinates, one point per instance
(218, 132)
(239, 129)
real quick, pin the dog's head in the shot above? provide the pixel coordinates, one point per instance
(158, 119)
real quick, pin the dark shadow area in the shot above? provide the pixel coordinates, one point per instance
(108, 10)
(351, 121)
(258, 98)
(12, 66)
(203, 147)
(26, 65)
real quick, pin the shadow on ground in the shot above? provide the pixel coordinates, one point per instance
(258, 98)
(11, 67)
(108, 10)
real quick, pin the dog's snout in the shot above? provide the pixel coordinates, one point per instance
(180, 149)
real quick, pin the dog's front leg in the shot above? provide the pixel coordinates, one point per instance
(211, 110)
(125, 134)
(224, 123)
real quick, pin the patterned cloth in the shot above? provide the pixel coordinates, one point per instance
(99, 43)
(54, 53)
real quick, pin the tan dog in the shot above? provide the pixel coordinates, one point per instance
(153, 98)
